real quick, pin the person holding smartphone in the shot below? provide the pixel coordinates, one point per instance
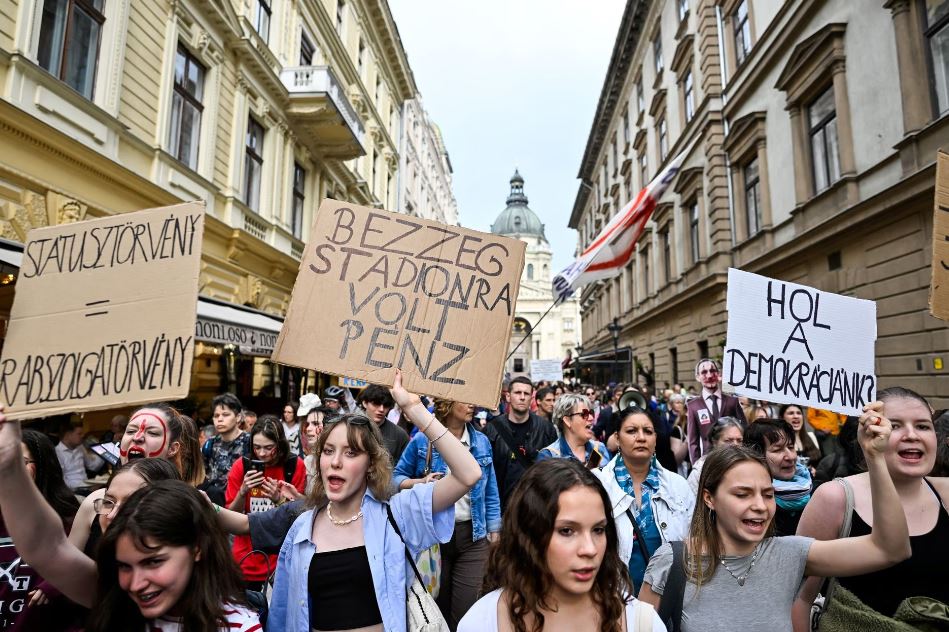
(651, 505)
(573, 416)
(254, 485)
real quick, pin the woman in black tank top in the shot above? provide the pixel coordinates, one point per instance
(910, 457)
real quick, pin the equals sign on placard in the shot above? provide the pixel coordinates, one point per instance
(98, 304)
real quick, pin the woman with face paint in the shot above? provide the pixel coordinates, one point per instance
(156, 430)
(162, 564)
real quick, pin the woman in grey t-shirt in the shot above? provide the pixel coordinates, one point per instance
(741, 578)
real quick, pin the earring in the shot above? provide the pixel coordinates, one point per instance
(369, 476)
(711, 515)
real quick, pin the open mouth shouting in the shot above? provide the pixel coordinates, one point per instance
(334, 483)
(136, 452)
(756, 526)
(911, 455)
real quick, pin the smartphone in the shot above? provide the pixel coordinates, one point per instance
(257, 465)
(594, 461)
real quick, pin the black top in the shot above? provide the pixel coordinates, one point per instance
(342, 595)
(528, 438)
(785, 521)
(95, 534)
(922, 575)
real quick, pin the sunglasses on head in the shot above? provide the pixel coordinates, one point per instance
(354, 420)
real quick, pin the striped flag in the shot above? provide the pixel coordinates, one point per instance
(613, 248)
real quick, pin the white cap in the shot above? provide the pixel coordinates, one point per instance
(307, 403)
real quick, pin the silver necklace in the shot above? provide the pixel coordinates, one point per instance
(341, 523)
(741, 578)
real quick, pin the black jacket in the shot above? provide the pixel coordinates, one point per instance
(510, 464)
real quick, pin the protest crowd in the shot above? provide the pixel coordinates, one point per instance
(568, 506)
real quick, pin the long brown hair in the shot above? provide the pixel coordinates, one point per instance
(361, 434)
(705, 546)
(518, 562)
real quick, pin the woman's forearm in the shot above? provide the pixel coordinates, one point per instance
(463, 466)
(890, 533)
(238, 503)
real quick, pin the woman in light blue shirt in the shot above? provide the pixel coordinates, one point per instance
(342, 565)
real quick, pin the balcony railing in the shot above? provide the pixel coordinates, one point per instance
(320, 109)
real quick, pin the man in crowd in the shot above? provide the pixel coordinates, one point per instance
(545, 402)
(334, 399)
(705, 410)
(605, 423)
(377, 402)
(116, 429)
(74, 457)
(229, 444)
(517, 436)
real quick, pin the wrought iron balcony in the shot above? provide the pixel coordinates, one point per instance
(321, 113)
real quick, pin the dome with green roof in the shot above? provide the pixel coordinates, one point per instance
(517, 220)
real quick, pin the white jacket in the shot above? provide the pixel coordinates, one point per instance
(672, 506)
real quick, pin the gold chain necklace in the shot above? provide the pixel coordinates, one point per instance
(341, 523)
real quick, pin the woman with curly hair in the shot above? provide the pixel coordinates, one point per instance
(343, 565)
(557, 562)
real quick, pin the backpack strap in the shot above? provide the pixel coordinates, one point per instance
(670, 606)
(640, 538)
(830, 583)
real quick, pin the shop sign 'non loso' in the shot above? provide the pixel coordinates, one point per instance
(104, 313)
(379, 291)
(249, 341)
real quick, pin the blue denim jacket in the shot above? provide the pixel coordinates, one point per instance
(391, 574)
(485, 500)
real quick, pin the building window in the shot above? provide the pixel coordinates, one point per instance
(186, 108)
(666, 255)
(299, 197)
(822, 124)
(70, 31)
(361, 56)
(752, 197)
(307, 50)
(742, 32)
(694, 230)
(674, 363)
(568, 324)
(253, 163)
(657, 53)
(518, 365)
(683, 9)
(340, 15)
(643, 170)
(688, 96)
(936, 17)
(640, 98)
(530, 271)
(615, 156)
(626, 136)
(262, 18)
(663, 134)
(647, 285)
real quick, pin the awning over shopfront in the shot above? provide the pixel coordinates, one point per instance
(253, 332)
(623, 355)
(11, 253)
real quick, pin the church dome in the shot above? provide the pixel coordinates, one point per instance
(517, 219)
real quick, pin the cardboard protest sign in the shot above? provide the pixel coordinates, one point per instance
(550, 370)
(378, 291)
(794, 344)
(939, 288)
(104, 313)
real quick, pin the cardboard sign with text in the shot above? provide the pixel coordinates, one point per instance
(104, 313)
(549, 370)
(793, 344)
(379, 291)
(939, 289)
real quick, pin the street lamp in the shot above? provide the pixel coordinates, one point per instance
(614, 329)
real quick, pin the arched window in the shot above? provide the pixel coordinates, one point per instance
(546, 271)
(530, 271)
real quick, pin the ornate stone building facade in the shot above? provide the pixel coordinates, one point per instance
(810, 131)
(425, 188)
(551, 336)
(259, 108)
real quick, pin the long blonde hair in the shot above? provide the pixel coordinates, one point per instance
(705, 546)
(361, 434)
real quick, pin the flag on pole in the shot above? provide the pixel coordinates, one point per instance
(612, 249)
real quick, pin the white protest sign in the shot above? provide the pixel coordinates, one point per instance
(549, 370)
(793, 344)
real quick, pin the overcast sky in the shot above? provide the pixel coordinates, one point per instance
(512, 84)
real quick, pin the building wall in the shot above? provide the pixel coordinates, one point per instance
(65, 156)
(426, 172)
(867, 235)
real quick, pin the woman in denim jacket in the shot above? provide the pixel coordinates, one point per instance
(640, 489)
(477, 514)
(342, 565)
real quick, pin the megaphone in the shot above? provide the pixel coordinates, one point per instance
(632, 398)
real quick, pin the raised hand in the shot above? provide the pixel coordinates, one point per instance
(874, 431)
(401, 396)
